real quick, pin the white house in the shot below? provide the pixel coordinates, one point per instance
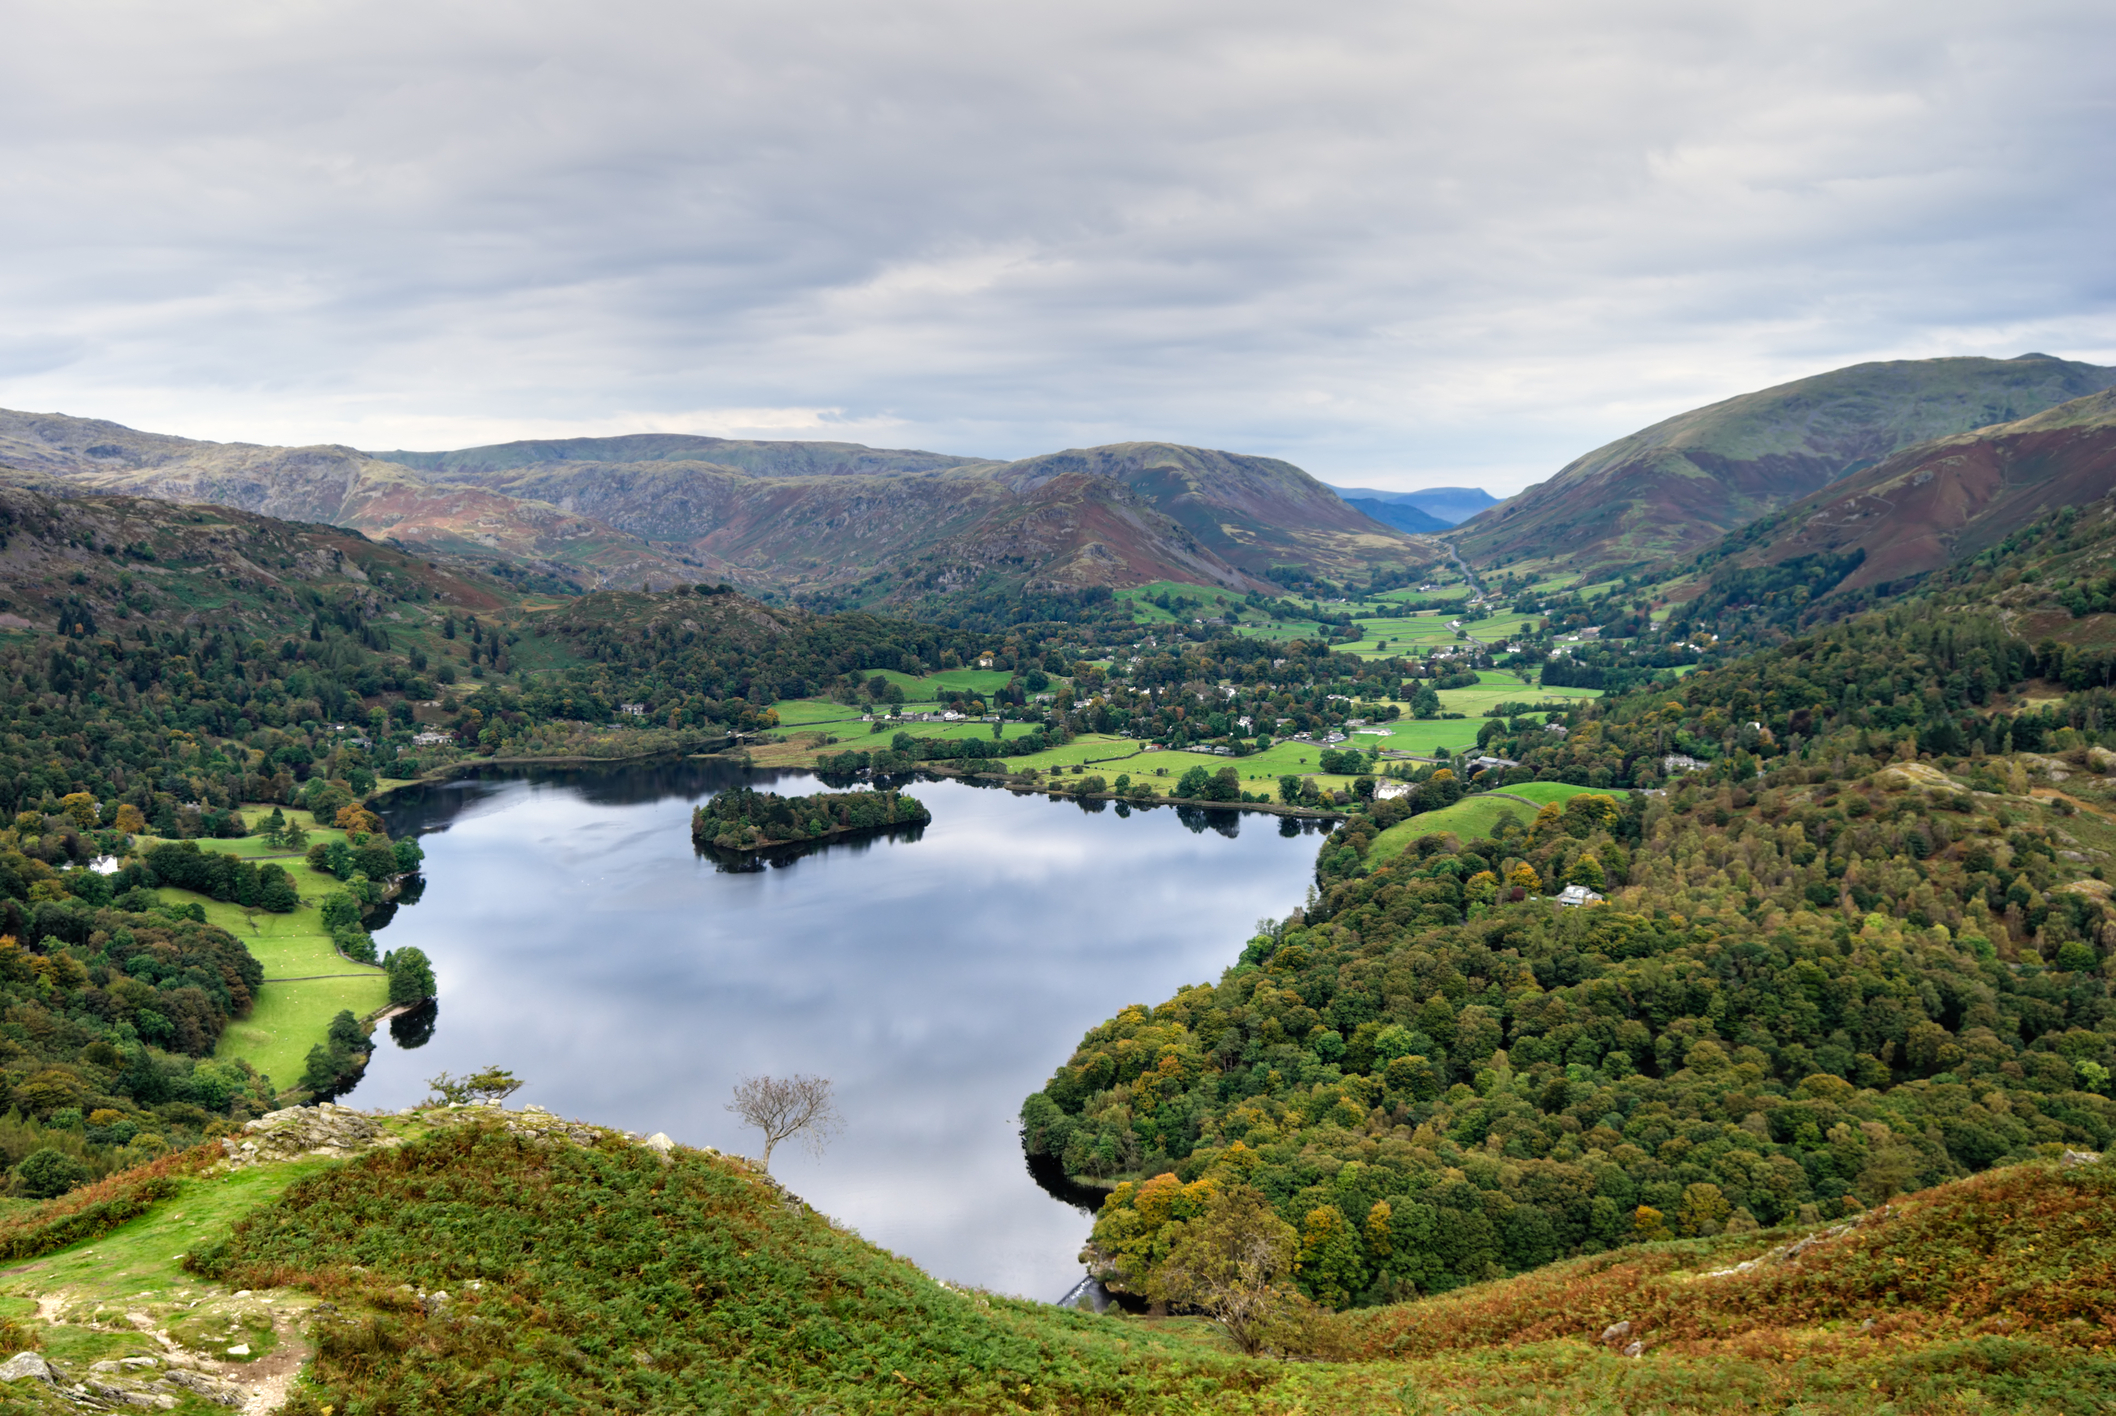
(1388, 790)
(1578, 895)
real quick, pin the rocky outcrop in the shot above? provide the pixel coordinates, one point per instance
(327, 1129)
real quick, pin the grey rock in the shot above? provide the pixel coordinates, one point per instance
(1616, 1333)
(26, 1364)
(433, 1303)
(2072, 1157)
(300, 1130)
(205, 1386)
(1636, 1349)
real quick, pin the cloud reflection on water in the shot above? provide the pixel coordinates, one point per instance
(580, 941)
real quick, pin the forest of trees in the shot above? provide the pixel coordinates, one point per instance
(1853, 955)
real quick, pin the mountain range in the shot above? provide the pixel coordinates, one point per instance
(1671, 489)
(1911, 462)
(1425, 511)
(798, 517)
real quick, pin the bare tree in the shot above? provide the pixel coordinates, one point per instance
(784, 1107)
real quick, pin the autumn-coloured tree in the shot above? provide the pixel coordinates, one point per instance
(1232, 1262)
(355, 817)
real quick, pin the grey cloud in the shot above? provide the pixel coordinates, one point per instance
(1393, 243)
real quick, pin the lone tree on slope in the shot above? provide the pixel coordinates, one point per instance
(784, 1107)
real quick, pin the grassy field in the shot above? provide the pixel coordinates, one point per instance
(1473, 816)
(1469, 818)
(1560, 792)
(805, 712)
(294, 1008)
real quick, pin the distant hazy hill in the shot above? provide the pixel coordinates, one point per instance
(1679, 484)
(1942, 501)
(658, 508)
(1401, 515)
(1450, 506)
(763, 459)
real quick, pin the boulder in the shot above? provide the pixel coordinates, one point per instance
(26, 1364)
(1614, 1334)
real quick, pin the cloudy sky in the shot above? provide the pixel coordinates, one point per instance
(1401, 244)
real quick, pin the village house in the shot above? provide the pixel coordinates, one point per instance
(1577, 895)
(634, 710)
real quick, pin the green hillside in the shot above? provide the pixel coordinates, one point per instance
(1669, 489)
(486, 1261)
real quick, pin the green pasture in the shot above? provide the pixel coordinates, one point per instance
(1279, 629)
(1211, 600)
(806, 712)
(956, 732)
(1090, 748)
(1560, 792)
(1401, 634)
(287, 1018)
(1259, 771)
(141, 1258)
(1469, 819)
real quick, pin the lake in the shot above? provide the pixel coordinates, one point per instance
(583, 944)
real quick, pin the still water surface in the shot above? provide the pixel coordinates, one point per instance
(582, 943)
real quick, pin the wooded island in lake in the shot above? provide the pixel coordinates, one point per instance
(741, 819)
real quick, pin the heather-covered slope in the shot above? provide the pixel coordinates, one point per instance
(1669, 489)
(1944, 501)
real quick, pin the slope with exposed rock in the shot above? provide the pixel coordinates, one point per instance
(1674, 487)
(793, 516)
(328, 484)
